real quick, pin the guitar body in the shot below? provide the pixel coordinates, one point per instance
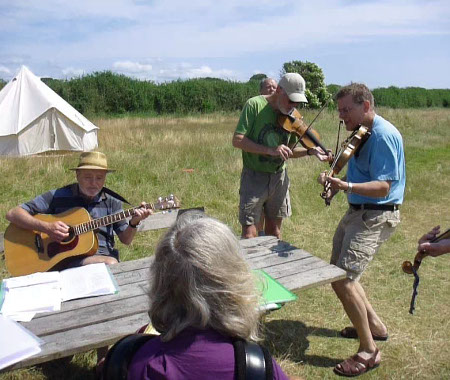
(29, 251)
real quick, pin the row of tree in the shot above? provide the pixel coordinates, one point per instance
(106, 93)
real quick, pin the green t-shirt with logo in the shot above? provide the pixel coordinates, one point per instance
(258, 122)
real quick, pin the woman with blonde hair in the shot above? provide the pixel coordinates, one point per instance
(203, 296)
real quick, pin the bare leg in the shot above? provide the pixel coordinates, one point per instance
(355, 307)
(99, 259)
(260, 225)
(249, 231)
(273, 227)
(376, 325)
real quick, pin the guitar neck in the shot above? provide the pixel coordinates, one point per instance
(107, 220)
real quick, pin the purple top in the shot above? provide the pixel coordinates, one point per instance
(192, 354)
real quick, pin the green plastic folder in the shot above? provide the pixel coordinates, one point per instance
(273, 293)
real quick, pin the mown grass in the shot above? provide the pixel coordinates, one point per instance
(150, 155)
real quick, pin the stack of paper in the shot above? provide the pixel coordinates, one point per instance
(17, 342)
(25, 296)
(274, 295)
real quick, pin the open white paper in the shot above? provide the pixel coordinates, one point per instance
(16, 342)
(43, 292)
(86, 281)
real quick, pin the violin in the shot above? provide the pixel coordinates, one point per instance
(293, 123)
(348, 148)
(411, 268)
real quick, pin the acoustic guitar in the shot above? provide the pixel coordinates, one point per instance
(29, 251)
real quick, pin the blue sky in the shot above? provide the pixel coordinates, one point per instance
(381, 43)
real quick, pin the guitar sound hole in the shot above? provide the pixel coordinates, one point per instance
(70, 237)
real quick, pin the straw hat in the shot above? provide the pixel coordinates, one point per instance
(93, 160)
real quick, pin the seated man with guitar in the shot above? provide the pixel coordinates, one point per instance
(375, 185)
(52, 242)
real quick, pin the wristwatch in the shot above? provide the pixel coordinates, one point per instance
(133, 225)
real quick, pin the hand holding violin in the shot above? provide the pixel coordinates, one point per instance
(334, 184)
(320, 154)
(436, 248)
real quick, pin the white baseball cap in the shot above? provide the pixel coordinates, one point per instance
(295, 86)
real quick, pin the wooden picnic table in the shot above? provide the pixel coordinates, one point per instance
(89, 323)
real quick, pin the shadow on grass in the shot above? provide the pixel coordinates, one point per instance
(66, 369)
(290, 337)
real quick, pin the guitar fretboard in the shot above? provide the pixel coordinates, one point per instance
(106, 220)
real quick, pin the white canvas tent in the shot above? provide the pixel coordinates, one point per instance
(35, 119)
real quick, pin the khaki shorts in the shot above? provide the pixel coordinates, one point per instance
(263, 191)
(358, 236)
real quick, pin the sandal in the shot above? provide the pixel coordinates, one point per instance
(356, 365)
(351, 333)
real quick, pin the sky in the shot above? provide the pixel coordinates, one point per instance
(381, 43)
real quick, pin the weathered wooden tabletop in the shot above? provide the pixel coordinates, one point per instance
(94, 322)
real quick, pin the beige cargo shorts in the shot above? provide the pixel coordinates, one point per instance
(358, 236)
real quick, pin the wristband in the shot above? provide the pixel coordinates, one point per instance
(133, 225)
(349, 188)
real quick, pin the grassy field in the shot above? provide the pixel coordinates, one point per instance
(150, 155)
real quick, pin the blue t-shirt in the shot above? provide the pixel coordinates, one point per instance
(381, 158)
(65, 198)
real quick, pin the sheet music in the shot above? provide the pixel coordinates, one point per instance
(86, 281)
(25, 296)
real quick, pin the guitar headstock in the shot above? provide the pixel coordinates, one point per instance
(167, 203)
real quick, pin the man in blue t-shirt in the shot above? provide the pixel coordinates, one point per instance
(375, 184)
(88, 192)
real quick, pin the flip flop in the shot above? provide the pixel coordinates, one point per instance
(356, 365)
(351, 333)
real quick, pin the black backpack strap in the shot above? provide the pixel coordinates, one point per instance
(252, 361)
(119, 356)
(114, 195)
(239, 359)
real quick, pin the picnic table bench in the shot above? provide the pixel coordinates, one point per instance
(89, 323)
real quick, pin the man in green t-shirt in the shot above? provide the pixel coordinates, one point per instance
(265, 149)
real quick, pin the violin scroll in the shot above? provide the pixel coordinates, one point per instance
(409, 267)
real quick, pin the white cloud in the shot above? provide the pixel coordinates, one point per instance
(132, 67)
(185, 70)
(71, 72)
(127, 35)
(4, 70)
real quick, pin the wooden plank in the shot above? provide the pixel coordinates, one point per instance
(64, 321)
(322, 275)
(126, 266)
(159, 220)
(275, 259)
(85, 338)
(297, 267)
